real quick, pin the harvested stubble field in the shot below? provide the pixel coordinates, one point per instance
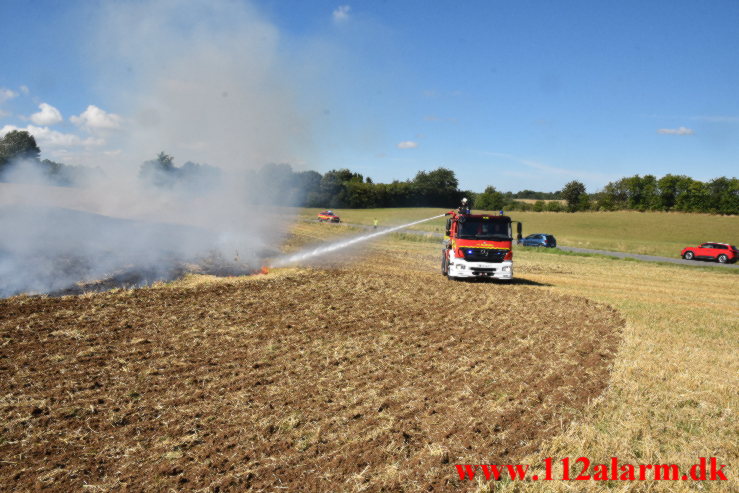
(364, 377)
(378, 375)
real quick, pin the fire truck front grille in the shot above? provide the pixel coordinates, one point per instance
(484, 254)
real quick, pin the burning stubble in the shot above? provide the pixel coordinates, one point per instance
(205, 81)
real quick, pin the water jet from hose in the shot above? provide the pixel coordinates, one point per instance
(322, 250)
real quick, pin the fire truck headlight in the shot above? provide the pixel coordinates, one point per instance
(506, 268)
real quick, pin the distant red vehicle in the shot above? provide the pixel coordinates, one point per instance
(328, 216)
(720, 252)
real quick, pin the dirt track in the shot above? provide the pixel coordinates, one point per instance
(309, 380)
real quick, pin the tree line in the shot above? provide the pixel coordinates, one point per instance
(669, 193)
(677, 193)
(343, 188)
(19, 153)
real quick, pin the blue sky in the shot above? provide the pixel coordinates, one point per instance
(515, 94)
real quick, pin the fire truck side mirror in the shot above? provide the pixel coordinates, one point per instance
(519, 231)
(448, 226)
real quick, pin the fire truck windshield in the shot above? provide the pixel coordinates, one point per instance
(485, 229)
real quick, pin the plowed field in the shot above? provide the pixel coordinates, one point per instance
(325, 379)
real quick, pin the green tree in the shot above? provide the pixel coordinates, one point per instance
(160, 172)
(693, 196)
(723, 196)
(307, 185)
(332, 186)
(641, 192)
(436, 188)
(651, 193)
(614, 196)
(490, 200)
(574, 193)
(400, 194)
(18, 144)
(668, 187)
(361, 195)
(165, 160)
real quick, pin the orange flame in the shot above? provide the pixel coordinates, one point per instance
(264, 270)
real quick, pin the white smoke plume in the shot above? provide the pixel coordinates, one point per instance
(206, 81)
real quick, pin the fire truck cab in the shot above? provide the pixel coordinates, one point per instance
(478, 245)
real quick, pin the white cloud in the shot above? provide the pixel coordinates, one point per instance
(3, 114)
(341, 13)
(47, 116)
(407, 144)
(94, 118)
(25, 90)
(676, 131)
(46, 137)
(6, 94)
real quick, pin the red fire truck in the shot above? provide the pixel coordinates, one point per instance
(478, 245)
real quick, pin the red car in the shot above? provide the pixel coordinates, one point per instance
(720, 252)
(328, 216)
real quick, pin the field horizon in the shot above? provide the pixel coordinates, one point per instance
(648, 233)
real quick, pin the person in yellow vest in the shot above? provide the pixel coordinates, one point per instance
(375, 222)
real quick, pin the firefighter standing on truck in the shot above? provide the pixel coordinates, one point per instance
(464, 207)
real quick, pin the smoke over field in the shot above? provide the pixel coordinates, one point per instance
(207, 82)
